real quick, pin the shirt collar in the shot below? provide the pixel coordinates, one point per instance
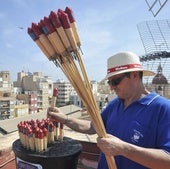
(148, 99)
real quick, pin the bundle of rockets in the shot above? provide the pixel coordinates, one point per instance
(36, 135)
(56, 34)
(57, 37)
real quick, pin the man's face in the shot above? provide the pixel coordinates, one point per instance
(121, 84)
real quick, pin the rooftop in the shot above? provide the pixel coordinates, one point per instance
(9, 134)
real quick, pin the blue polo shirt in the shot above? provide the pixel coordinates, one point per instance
(145, 123)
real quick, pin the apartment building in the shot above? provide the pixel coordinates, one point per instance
(7, 101)
(37, 87)
(7, 106)
(65, 90)
(21, 109)
(30, 98)
(5, 80)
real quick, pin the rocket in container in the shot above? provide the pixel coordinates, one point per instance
(45, 138)
(61, 132)
(36, 139)
(50, 132)
(40, 140)
(56, 132)
(20, 132)
(31, 139)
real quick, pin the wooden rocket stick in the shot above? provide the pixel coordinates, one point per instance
(53, 104)
(61, 130)
(54, 97)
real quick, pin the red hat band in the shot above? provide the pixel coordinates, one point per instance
(124, 67)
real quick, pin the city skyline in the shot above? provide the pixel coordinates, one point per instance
(104, 29)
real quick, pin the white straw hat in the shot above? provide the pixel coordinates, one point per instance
(125, 62)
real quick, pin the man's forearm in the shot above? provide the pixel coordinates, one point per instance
(151, 158)
(82, 126)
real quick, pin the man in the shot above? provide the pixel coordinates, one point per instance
(137, 121)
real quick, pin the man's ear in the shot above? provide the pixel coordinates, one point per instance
(135, 74)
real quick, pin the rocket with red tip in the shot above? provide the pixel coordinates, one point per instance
(69, 12)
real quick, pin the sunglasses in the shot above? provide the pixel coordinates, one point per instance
(116, 81)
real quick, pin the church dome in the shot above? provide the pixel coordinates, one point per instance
(159, 77)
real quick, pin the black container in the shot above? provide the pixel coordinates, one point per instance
(59, 155)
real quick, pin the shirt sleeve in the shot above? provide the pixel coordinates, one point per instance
(163, 137)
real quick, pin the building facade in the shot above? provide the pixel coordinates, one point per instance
(7, 107)
(39, 89)
(65, 90)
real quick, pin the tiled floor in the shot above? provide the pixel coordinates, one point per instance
(9, 165)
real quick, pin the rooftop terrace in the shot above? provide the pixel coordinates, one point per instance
(87, 159)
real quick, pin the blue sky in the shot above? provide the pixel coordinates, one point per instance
(105, 28)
